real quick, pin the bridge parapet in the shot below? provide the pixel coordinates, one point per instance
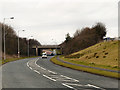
(38, 49)
(47, 47)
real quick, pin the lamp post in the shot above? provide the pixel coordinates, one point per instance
(4, 36)
(56, 46)
(19, 43)
(29, 46)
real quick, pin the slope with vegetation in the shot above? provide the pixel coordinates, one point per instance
(87, 51)
(103, 55)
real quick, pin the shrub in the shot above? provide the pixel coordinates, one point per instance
(97, 56)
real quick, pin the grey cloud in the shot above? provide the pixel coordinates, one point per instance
(59, 17)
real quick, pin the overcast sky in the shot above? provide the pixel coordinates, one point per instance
(52, 19)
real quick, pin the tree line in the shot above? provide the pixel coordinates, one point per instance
(12, 42)
(83, 38)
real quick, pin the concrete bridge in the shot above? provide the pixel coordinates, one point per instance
(38, 49)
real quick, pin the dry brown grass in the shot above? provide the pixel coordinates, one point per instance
(104, 53)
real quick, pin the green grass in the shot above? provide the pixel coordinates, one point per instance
(104, 55)
(90, 64)
(90, 70)
(14, 59)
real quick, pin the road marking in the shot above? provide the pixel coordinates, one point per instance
(30, 68)
(59, 77)
(63, 80)
(49, 78)
(74, 84)
(37, 71)
(80, 85)
(70, 78)
(93, 86)
(27, 64)
(42, 68)
(52, 72)
(36, 63)
(68, 86)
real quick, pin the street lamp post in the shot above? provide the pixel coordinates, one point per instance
(19, 44)
(29, 46)
(4, 36)
(56, 46)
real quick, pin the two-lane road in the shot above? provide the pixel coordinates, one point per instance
(41, 73)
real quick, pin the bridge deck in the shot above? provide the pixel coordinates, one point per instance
(47, 46)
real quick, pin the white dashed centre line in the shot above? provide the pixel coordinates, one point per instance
(61, 78)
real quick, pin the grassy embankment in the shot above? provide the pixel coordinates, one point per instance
(102, 55)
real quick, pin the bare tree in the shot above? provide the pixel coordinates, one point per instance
(84, 38)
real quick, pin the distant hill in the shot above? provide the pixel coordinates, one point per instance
(103, 53)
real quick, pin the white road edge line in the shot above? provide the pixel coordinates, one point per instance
(36, 63)
(49, 78)
(27, 64)
(68, 86)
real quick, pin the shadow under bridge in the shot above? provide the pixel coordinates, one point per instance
(38, 49)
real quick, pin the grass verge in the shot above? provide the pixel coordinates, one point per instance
(90, 64)
(14, 59)
(90, 70)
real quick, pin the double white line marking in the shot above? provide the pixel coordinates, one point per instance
(49, 77)
(37, 71)
(69, 85)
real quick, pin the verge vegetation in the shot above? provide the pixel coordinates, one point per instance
(11, 40)
(89, 70)
(14, 59)
(102, 55)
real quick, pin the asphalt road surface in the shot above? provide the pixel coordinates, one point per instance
(42, 74)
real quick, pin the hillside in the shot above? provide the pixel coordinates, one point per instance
(101, 59)
(103, 54)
